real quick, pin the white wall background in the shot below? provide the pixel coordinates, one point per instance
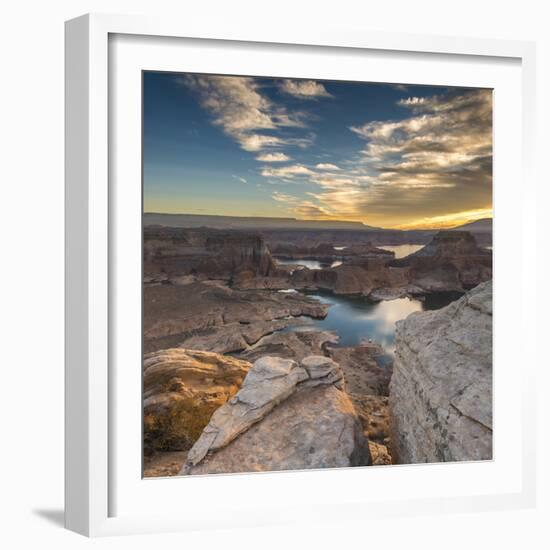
(31, 233)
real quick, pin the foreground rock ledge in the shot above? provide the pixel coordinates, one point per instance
(181, 390)
(286, 416)
(441, 387)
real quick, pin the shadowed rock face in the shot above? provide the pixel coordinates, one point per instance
(207, 253)
(452, 260)
(441, 387)
(286, 416)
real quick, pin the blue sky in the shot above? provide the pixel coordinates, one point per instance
(386, 155)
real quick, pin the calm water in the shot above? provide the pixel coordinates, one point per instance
(402, 250)
(355, 318)
(310, 264)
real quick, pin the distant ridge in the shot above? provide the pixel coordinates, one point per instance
(250, 222)
(484, 225)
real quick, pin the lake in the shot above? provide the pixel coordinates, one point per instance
(402, 250)
(355, 318)
(310, 264)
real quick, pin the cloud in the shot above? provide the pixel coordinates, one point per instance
(400, 87)
(272, 157)
(287, 171)
(241, 179)
(304, 89)
(301, 208)
(243, 112)
(284, 197)
(326, 166)
(308, 210)
(449, 220)
(434, 166)
(438, 158)
(257, 142)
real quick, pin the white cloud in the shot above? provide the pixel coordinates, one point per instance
(241, 179)
(287, 171)
(435, 161)
(257, 142)
(272, 157)
(284, 197)
(242, 110)
(326, 166)
(305, 89)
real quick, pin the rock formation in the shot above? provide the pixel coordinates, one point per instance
(210, 315)
(181, 390)
(441, 388)
(451, 261)
(285, 416)
(291, 345)
(172, 252)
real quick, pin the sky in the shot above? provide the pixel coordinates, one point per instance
(395, 156)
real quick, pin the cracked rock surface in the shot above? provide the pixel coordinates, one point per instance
(441, 387)
(286, 416)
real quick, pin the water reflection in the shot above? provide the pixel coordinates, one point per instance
(310, 264)
(355, 318)
(402, 250)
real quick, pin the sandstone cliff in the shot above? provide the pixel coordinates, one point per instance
(170, 253)
(451, 261)
(286, 416)
(441, 387)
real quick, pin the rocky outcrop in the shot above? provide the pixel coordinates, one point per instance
(287, 415)
(441, 388)
(181, 390)
(291, 345)
(210, 315)
(327, 253)
(173, 252)
(451, 261)
(234, 337)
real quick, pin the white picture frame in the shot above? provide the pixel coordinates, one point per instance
(95, 396)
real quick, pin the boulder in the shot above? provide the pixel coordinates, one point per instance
(181, 390)
(286, 416)
(441, 387)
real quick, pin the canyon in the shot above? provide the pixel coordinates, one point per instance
(240, 375)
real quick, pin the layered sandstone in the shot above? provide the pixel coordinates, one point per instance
(209, 315)
(441, 387)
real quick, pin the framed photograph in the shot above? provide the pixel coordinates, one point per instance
(288, 271)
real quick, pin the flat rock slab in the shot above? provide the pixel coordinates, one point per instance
(314, 428)
(307, 402)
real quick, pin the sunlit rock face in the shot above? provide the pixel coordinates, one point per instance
(441, 387)
(286, 416)
(181, 390)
